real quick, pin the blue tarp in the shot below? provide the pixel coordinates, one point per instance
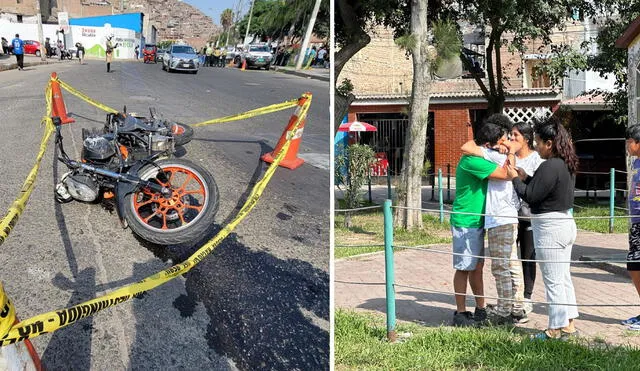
(340, 143)
(130, 21)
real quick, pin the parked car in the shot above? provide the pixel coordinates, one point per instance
(32, 47)
(181, 58)
(596, 158)
(231, 53)
(160, 54)
(255, 56)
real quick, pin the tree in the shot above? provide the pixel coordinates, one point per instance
(354, 19)
(275, 19)
(226, 20)
(352, 171)
(410, 192)
(523, 20)
(613, 17)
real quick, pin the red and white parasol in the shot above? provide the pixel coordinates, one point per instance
(357, 126)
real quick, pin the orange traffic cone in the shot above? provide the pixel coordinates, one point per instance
(17, 356)
(291, 160)
(59, 109)
(244, 65)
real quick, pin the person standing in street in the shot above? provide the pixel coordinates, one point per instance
(633, 256)
(18, 50)
(321, 54)
(208, 62)
(5, 46)
(467, 223)
(136, 51)
(501, 224)
(80, 49)
(109, 52)
(529, 160)
(549, 193)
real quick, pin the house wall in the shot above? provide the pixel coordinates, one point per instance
(380, 67)
(452, 125)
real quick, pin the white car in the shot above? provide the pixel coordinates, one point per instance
(255, 56)
(181, 58)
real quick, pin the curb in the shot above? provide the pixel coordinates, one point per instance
(13, 66)
(619, 269)
(303, 74)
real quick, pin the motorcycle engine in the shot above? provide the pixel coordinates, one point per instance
(81, 187)
(97, 149)
(161, 143)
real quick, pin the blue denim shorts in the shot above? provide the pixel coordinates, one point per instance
(468, 242)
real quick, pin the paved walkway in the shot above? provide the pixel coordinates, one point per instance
(359, 284)
(322, 74)
(8, 62)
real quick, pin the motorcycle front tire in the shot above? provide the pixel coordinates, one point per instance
(194, 229)
(183, 135)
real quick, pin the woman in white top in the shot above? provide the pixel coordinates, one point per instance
(529, 160)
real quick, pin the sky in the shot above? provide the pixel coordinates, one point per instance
(213, 8)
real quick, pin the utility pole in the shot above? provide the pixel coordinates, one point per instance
(43, 54)
(307, 35)
(236, 20)
(246, 35)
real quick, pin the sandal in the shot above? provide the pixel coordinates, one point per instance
(565, 335)
(542, 335)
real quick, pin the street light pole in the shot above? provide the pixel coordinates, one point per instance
(246, 35)
(43, 54)
(307, 36)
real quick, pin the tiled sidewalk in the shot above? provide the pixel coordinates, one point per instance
(359, 284)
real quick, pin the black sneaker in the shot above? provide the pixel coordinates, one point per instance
(498, 320)
(520, 317)
(463, 319)
(480, 314)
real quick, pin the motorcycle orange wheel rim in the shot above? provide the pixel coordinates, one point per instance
(175, 203)
(177, 130)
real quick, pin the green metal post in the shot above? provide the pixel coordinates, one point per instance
(612, 198)
(389, 272)
(388, 183)
(440, 198)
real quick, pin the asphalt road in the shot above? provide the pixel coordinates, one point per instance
(259, 301)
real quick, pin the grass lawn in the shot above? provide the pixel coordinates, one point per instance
(360, 343)
(588, 208)
(367, 233)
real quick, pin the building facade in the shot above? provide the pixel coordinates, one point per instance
(381, 74)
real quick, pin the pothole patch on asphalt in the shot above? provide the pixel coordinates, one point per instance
(142, 98)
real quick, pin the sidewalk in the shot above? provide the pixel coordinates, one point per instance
(359, 284)
(322, 74)
(8, 62)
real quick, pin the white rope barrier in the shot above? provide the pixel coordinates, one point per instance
(359, 208)
(370, 245)
(422, 248)
(514, 217)
(505, 299)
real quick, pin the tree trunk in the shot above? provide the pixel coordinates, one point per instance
(341, 108)
(410, 192)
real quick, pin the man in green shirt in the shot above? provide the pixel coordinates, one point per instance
(472, 175)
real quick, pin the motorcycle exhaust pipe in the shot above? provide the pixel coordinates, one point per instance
(166, 192)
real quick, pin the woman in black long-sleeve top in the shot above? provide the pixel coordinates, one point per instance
(549, 193)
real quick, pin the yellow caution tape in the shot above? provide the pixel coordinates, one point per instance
(15, 210)
(7, 312)
(241, 116)
(85, 98)
(252, 113)
(52, 321)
